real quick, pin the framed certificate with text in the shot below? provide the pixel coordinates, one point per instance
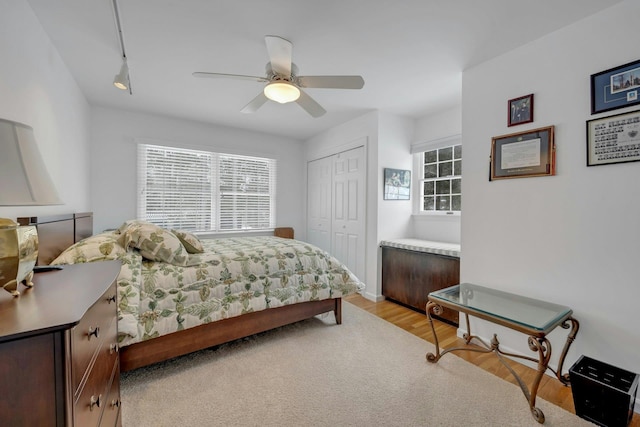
(613, 139)
(524, 154)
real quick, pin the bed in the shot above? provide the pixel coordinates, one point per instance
(173, 301)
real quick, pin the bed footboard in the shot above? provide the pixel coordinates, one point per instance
(200, 337)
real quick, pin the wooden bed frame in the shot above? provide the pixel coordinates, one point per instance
(56, 233)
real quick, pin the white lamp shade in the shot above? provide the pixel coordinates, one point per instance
(121, 80)
(23, 174)
(282, 92)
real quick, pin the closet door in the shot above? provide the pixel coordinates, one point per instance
(319, 177)
(336, 207)
(348, 217)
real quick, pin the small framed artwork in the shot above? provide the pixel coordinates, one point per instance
(520, 110)
(525, 154)
(613, 139)
(397, 184)
(615, 88)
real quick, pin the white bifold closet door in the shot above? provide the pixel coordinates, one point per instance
(336, 207)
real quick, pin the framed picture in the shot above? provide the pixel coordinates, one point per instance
(615, 88)
(525, 154)
(520, 110)
(397, 184)
(613, 139)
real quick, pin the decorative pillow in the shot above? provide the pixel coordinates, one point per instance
(129, 223)
(191, 243)
(100, 247)
(156, 244)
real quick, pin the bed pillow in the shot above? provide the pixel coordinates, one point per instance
(155, 243)
(129, 223)
(191, 243)
(101, 247)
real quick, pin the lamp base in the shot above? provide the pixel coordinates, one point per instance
(12, 286)
(18, 255)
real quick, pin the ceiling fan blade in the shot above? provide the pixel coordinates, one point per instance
(331, 82)
(255, 103)
(233, 76)
(310, 105)
(280, 52)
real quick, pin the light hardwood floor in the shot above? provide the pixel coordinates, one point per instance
(417, 323)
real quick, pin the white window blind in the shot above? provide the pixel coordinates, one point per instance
(205, 191)
(245, 190)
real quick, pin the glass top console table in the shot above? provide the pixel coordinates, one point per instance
(532, 317)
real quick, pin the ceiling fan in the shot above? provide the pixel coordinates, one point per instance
(283, 82)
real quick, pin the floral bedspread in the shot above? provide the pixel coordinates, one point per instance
(231, 277)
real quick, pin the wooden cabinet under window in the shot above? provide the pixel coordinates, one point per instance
(410, 272)
(58, 349)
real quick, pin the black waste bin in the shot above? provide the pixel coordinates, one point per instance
(603, 394)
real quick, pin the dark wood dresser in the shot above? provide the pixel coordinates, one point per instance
(410, 271)
(58, 349)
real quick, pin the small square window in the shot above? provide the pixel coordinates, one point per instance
(443, 187)
(456, 203)
(445, 169)
(443, 203)
(442, 179)
(431, 156)
(429, 204)
(431, 171)
(445, 154)
(456, 186)
(428, 188)
(457, 167)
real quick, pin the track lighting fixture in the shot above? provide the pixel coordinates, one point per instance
(121, 80)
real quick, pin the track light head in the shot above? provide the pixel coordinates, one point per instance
(121, 80)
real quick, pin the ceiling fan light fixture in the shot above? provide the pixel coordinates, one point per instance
(121, 80)
(282, 92)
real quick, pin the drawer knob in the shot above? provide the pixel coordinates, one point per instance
(111, 299)
(113, 348)
(95, 401)
(94, 331)
(115, 403)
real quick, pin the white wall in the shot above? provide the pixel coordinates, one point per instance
(395, 134)
(114, 136)
(439, 228)
(440, 125)
(37, 89)
(573, 238)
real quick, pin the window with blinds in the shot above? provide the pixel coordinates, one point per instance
(204, 191)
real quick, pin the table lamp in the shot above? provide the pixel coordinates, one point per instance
(25, 182)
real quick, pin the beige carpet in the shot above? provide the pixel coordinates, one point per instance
(365, 372)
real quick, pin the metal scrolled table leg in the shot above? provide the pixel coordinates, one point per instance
(433, 358)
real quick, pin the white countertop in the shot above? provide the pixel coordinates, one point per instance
(419, 245)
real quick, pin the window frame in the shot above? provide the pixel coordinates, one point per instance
(252, 168)
(418, 150)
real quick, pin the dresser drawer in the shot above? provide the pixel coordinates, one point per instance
(94, 396)
(110, 417)
(87, 336)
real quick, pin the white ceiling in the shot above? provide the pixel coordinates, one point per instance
(411, 53)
